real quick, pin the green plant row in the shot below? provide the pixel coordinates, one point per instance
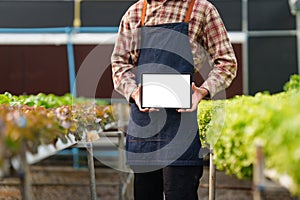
(34, 120)
(235, 126)
(45, 100)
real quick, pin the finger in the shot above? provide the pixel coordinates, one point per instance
(144, 109)
(148, 109)
(153, 110)
(184, 110)
(194, 87)
(188, 110)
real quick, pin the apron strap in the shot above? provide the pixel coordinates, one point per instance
(189, 12)
(187, 17)
(144, 12)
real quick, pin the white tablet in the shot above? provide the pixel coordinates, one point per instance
(166, 91)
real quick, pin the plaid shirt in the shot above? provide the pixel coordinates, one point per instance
(207, 34)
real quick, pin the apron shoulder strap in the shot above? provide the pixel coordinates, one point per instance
(187, 17)
(144, 12)
(189, 12)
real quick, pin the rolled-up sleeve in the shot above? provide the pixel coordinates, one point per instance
(122, 61)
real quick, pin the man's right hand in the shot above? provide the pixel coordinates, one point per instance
(136, 95)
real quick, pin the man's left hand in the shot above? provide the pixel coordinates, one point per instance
(198, 94)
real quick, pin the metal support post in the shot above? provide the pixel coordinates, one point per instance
(245, 47)
(298, 39)
(25, 175)
(71, 64)
(295, 10)
(212, 176)
(258, 174)
(90, 158)
(121, 147)
(122, 116)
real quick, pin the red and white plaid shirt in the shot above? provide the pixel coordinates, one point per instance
(206, 31)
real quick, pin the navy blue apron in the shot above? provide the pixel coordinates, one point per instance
(166, 137)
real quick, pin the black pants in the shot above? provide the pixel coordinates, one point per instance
(176, 182)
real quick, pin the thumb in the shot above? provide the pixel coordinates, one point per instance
(194, 87)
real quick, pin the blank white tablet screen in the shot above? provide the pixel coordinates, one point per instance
(166, 91)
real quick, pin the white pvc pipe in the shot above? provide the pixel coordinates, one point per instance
(56, 39)
(77, 38)
(237, 37)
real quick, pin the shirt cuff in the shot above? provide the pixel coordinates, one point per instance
(210, 86)
(130, 89)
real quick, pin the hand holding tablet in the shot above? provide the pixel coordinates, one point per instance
(136, 96)
(198, 94)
